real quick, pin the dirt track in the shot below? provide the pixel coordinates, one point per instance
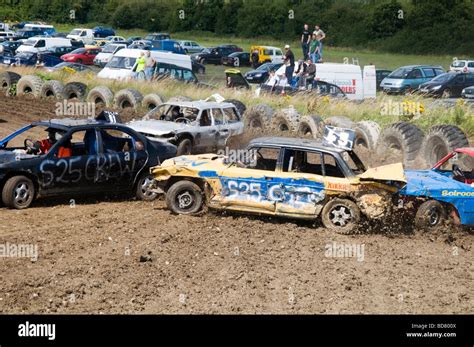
(89, 259)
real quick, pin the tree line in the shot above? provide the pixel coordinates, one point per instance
(403, 26)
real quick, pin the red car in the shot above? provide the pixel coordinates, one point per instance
(82, 56)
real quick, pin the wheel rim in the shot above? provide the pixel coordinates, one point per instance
(145, 187)
(341, 215)
(185, 200)
(22, 193)
(434, 216)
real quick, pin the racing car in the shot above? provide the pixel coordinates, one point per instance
(70, 156)
(447, 190)
(289, 177)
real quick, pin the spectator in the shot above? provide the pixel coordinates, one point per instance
(320, 36)
(310, 73)
(289, 63)
(300, 71)
(305, 40)
(255, 58)
(140, 66)
(149, 66)
(314, 49)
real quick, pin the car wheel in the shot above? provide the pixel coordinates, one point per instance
(185, 147)
(184, 197)
(447, 94)
(340, 215)
(79, 61)
(18, 192)
(143, 190)
(203, 61)
(201, 71)
(430, 214)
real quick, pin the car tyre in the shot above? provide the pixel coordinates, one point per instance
(75, 90)
(143, 188)
(367, 134)
(29, 84)
(185, 147)
(311, 126)
(340, 215)
(18, 192)
(184, 197)
(101, 95)
(430, 214)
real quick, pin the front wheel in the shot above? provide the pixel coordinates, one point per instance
(144, 186)
(184, 197)
(447, 94)
(430, 214)
(18, 192)
(340, 215)
(185, 147)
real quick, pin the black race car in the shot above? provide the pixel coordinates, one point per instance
(260, 74)
(237, 59)
(82, 156)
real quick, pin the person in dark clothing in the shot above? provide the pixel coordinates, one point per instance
(255, 58)
(289, 63)
(305, 39)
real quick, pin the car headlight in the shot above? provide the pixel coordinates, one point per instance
(435, 87)
(258, 75)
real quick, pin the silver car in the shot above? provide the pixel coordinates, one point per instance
(191, 46)
(193, 126)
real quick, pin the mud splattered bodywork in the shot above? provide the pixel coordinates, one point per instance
(278, 190)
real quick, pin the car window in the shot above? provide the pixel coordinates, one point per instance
(205, 119)
(470, 64)
(439, 71)
(459, 79)
(231, 115)
(416, 73)
(303, 162)
(218, 116)
(117, 141)
(429, 72)
(264, 159)
(83, 142)
(41, 43)
(331, 166)
(470, 78)
(188, 76)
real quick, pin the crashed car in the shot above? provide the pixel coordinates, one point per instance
(447, 190)
(68, 156)
(289, 177)
(193, 126)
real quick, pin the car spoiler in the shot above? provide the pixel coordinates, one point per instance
(391, 172)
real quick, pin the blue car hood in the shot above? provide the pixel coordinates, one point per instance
(432, 183)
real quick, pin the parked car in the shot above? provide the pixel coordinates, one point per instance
(157, 36)
(99, 31)
(61, 157)
(212, 55)
(468, 93)
(40, 44)
(286, 177)
(46, 29)
(82, 56)
(86, 36)
(462, 66)
(191, 46)
(268, 54)
(6, 35)
(319, 88)
(447, 85)
(406, 79)
(237, 59)
(234, 48)
(175, 72)
(260, 74)
(70, 67)
(380, 75)
(31, 59)
(109, 39)
(59, 50)
(26, 34)
(107, 53)
(168, 46)
(132, 39)
(448, 188)
(193, 126)
(8, 48)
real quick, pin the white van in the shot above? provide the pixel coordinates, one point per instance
(6, 35)
(45, 28)
(123, 63)
(357, 84)
(81, 34)
(107, 53)
(38, 44)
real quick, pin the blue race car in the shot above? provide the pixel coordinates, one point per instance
(447, 190)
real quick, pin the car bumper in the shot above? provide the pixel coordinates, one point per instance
(467, 96)
(392, 89)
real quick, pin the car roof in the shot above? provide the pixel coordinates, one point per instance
(67, 124)
(200, 104)
(294, 143)
(421, 66)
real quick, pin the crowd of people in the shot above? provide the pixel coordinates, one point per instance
(145, 66)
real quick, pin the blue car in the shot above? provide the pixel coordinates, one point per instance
(407, 79)
(103, 31)
(167, 45)
(30, 59)
(447, 190)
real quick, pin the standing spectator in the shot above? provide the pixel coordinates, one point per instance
(255, 58)
(140, 66)
(305, 39)
(289, 63)
(320, 36)
(314, 49)
(149, 66)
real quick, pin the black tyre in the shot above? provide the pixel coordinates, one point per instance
(8, 79)
(340, 215)
(151, 101)
(185, 147)
(430, 214)
(29, 84)
(259, 117)
(404, 137)
(101, 95)
(75, 90)
(128, 98)
(311, 126)
(18, 192)
(52, 89)
(184, 197)
(285, 121)
(442, 140)
(367, 134)
(143, 191)
(238, 104)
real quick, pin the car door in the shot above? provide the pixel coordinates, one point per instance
(122, 157)
(221, 127)
(254, 187)
(233, 120)
(302, 183)
(73, 173)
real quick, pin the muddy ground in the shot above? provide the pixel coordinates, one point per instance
(117, 255)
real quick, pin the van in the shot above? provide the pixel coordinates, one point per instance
(167, 45)
(123, 64)
(81, 34)
(39, 44)
(45, 29)
(107, 53)
(407, 79)
(268, 54)
(6, 35)
(356, 83)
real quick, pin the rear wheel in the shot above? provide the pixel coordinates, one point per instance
(143, 190)
(184, 197)
(18, 192)
(340, 215)
(185, 147)
(430, 214)
(447, 94)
